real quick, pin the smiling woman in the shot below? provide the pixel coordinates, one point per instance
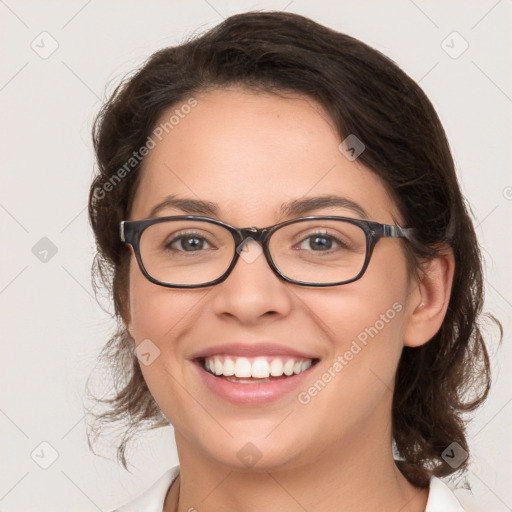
(297, 281)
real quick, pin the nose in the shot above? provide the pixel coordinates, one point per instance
(252, 290)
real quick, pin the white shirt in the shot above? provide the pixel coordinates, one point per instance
(440, 497)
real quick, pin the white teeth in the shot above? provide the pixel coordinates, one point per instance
(288, 367)
(306, 364)
(229, 367)
(218, 366)
(242, 367)
(276, 368)
(259, 368)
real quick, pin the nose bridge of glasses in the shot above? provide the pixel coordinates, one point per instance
(247, 251)
(256, 234)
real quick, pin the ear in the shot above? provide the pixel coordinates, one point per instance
(429, 298)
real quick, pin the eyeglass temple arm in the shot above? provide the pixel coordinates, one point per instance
(121, 231)
(396, 231)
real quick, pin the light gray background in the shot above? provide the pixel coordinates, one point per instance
(52, 328)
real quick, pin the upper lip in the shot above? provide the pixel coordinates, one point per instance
(253, 349)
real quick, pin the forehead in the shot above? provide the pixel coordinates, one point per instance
(251, 152)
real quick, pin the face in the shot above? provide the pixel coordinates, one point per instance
(249, 154)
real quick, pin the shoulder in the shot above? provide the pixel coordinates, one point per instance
(152, 500)
(441, 498)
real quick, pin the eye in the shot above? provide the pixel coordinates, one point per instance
(317, 243)
(321, 242)
(188, 242)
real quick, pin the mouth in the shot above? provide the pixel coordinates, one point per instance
(254, 380)
(253, 370)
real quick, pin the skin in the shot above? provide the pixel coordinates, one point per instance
(250, 152)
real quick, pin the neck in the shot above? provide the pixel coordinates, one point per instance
(347, 480)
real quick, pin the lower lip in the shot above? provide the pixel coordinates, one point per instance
(249, 393)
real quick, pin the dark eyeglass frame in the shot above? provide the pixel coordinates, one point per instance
(131, 232)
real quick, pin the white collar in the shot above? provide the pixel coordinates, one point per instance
(441, 498)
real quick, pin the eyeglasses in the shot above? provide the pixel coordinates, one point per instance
(188, 251)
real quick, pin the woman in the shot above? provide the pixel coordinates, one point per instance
(296, 277)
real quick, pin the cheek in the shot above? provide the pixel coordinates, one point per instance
(154, 310)
(162, 316)
(365, 328)
(365, 321)
(372, 306)
(156, 316)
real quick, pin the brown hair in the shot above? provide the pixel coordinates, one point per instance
(366, 94)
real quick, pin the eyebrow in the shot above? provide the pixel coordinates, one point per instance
(297, 207)
(309, 204)
(189, 206)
